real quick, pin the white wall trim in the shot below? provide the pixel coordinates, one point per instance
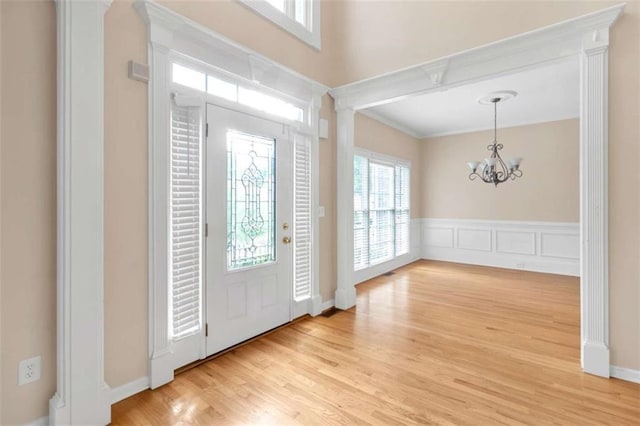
(172, 35)
(382, 268)
(327, 304)
(586, 36)
(129, 389)
(81, 394)
(391, 123)
(42, 421)
(549, 247)
(627, 374)
(527, 50)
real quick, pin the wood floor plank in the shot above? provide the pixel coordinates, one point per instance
(435, 343)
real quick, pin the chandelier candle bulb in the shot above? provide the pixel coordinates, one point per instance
(473, 165)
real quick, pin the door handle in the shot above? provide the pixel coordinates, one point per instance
(286, 240)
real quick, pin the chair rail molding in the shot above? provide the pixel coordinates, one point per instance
(170, 34)
(586, 36)
(81, 397)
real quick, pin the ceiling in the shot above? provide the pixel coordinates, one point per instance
(544, 94)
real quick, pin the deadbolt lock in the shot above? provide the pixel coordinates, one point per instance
(286, 240)
(285, 226)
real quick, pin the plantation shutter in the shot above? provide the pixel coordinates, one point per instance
(185, 236)
(402, 210)
(360, 212)
(302, 217)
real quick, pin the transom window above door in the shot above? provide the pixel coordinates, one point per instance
(234, 92)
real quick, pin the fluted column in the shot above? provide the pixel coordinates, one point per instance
(594, 271)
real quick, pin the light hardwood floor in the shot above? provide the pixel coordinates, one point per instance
(436, 343)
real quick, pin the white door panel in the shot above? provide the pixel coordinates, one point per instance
(248, 262)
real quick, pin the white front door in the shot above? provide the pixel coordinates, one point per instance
(248, 215)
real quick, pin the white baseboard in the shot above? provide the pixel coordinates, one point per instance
(415, 233)
(129, 389)
(328, 304)
(531, 246)
(625, 374)
(382, 268)
(42, 421)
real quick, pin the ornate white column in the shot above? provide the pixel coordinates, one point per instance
(161, 359)
(82, 397)
(594, 260)
(345, 297)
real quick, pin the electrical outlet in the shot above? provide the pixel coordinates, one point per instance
(520, 265)
(28, 370)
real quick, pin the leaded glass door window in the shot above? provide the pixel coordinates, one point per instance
(251, 191)
(249, 217)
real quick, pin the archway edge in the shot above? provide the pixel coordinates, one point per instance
(586, 36)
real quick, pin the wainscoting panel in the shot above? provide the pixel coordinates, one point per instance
(438, 236)
(532, 246)
(560, 245)
(515, 242)
(474, 239)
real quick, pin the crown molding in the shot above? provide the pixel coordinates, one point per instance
(390, 123)
(519, 52)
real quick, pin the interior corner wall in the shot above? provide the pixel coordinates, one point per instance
(548, 191)
(28, 205)
(372, 135)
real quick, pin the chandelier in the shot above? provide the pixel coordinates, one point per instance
(494, 170)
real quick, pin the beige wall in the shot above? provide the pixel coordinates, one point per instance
(28, 205)
(125, 198)
(360, 39)
(381, 36)
(328, 182)
(547, 191)
(373, 135)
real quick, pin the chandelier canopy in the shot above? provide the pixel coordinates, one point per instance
(494, 170)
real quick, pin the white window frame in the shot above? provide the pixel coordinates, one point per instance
(170, 33)
(303, 126)
(310, 34)
(373, 270)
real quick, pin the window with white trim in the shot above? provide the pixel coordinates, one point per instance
(234, 92)
(299, 17)
(381, 209)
